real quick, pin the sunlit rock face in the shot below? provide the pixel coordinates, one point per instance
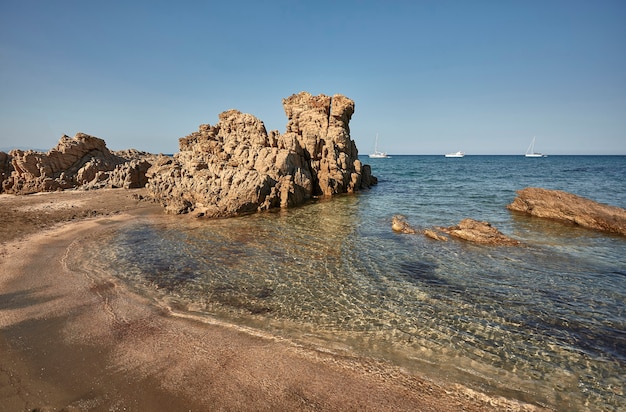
(236, 167)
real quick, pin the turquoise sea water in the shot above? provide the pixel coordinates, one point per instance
(544, 323)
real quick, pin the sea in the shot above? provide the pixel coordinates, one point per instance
(543, 323)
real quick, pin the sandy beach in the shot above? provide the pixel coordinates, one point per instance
(83, 341)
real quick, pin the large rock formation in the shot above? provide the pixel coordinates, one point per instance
(81, 161)
(236, 167)
(563, 206)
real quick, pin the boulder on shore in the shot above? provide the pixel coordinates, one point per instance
(563, 206)
(82, 161)
(236, 167)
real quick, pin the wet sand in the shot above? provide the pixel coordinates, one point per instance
(82, 341)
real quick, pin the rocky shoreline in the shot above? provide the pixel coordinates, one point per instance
(232, 168)
(237, 167)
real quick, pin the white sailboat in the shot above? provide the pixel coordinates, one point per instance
(531, 151)
(376, 154)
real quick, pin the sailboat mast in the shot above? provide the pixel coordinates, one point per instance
(531, 148)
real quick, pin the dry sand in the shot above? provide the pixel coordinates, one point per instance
(82, 341)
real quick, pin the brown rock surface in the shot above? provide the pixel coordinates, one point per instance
(563, 206)
(235, 167)
(468, 229)
(473, 231)
(83, 160)
(479, 232)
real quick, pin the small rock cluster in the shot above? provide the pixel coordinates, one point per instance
(468, 229)
(544, 203)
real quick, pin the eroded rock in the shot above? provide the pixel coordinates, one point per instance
(567, 207)
(236, 167)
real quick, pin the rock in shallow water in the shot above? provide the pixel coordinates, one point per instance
(400, 225)
(563, 206)
(479, 232)
(468, 229)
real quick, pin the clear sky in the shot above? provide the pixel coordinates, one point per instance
(428, 76)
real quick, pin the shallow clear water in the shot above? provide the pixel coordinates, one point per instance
(544, 323)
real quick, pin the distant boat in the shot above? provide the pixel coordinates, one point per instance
(376, 154)
(531, 151)
(455, 154)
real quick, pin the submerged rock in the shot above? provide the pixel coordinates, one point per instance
(82, 161)
(563, 206)
(236, 167)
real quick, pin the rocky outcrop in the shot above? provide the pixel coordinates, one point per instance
(81, 161)
(563, 206)
(468, 229)
(319, 125)
(236, 167)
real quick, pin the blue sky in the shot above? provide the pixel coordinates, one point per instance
(428, 76)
